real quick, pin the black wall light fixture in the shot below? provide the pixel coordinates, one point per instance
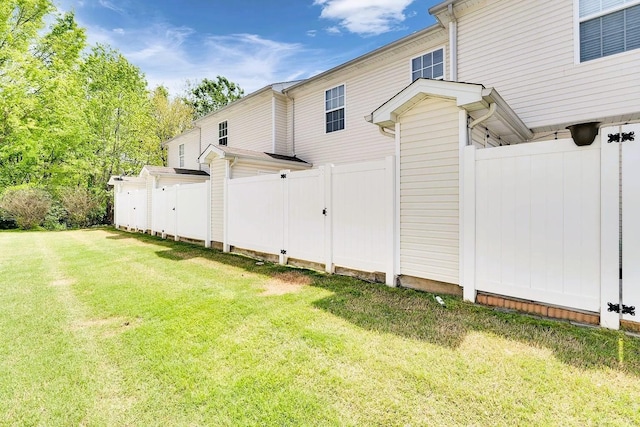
(584, 133)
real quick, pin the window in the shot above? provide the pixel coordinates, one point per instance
(181, 154)
(608, 27)
(334, 109)
(430, 65)
(222, 133)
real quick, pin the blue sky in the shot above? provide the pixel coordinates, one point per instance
(251, 42)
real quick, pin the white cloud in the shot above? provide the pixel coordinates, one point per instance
(312, 33)
(110, 5)
(368, 18)
(170, 55)
(334, 31)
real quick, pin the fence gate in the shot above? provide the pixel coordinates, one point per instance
(628, 139)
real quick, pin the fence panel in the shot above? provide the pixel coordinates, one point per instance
(255, 213)
(359, 206)
(139, 214)
(538, 223)
(191, 210)
(306, 215)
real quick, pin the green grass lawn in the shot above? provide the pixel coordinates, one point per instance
(102, 327)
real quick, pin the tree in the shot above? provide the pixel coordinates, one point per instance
(118, 114)
(171, 116)
(211, 95)
(41, 103)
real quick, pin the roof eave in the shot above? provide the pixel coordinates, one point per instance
(474, 98)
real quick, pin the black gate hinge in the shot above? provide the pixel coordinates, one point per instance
(621, 137)
(283, 175)
(626, 309)
(283, 251)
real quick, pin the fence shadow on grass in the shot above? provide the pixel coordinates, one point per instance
(417, 315)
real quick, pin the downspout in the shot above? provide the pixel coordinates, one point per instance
(453, 45)
(384, 131)
(199, 145)
(492, 109)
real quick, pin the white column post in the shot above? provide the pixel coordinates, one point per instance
(609, 231)
(225, 209)
(468, 230)
(390, 208)
(463, 140)
(328, 219)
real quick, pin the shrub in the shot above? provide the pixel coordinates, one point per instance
(27, 206)
(81, 205)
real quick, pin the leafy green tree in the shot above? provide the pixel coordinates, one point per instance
(211, 95)
(42, 98)
(171, 116)
(118, 115)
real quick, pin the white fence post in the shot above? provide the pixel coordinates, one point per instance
(176, 234)
(389, 197)
(328, 219)
(282, 258)
(468, 237)
(207, 242)
(609, 231)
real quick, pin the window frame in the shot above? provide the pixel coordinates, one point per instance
(181, 155)
(343, 107)
(444, 61)
(223, 127)
(577, 20)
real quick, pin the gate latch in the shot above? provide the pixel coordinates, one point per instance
(626, 309)
(324, 211)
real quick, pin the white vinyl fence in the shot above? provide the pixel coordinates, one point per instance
(181, 210)
(335, 215)
(538, 222)
(130, 208)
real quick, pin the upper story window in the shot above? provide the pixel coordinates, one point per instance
(608, 27)
(430, 65)
(222, 133)
(334, 108)
(181, 154)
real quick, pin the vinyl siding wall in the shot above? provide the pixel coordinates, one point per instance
(280, 126)
(429, 153)
(368, 85)
(217, 168)
(249, 125)
(526, 51)
(191, 141)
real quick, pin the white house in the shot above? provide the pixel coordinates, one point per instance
(484, 192)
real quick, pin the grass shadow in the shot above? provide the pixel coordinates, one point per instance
(417, 315)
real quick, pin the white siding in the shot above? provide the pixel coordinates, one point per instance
(217, 199)
(281, 118)
(368, 85)
(429, 162)
(526, 51)
(249, 124)
(191, 141)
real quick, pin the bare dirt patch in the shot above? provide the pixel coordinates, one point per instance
(62, 282)
(286, 283)
(107, 327)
